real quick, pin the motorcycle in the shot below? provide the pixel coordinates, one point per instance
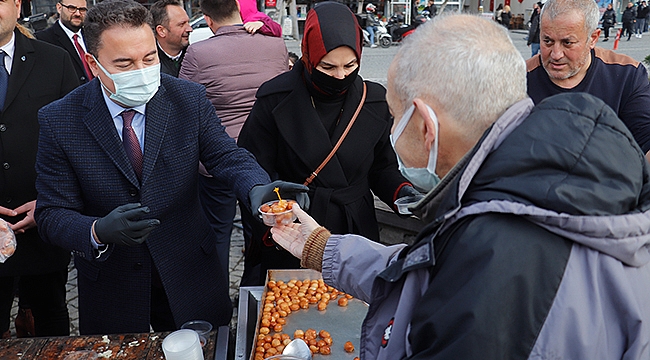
(398, 30)
(382, 37)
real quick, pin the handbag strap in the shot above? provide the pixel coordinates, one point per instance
(338, 143)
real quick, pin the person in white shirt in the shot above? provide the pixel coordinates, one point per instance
(67, 33)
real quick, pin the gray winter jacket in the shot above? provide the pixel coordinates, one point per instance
(537, 247)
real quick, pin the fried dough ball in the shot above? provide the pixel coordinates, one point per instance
(348, 346)
(310, 334)
(325, 350)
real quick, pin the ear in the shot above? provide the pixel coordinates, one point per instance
(210, 22)
(428, 125)
(161, 31)
(593, 39)
(18, 4)
(92, 64)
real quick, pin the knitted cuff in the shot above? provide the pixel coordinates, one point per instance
(312, 253)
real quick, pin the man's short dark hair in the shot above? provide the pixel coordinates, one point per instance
(110, 13)
(219, 10)
(159, 12)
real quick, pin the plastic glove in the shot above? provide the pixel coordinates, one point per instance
(124, 225)
(264, 193)
(294, 236)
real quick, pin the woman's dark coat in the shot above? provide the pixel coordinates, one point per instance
(287, 137)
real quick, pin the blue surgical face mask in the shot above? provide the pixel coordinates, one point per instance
(136, 87)
(424, 179)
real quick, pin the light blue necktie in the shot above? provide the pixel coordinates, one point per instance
(4, 80)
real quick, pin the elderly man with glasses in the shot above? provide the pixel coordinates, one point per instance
(67, 33)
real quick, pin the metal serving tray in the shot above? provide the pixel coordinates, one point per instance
(343, 323)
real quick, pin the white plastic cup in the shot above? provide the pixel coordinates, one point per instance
(182, 344)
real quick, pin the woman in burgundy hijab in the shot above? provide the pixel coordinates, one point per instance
(296, 122)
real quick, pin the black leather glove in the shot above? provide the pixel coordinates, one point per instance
(260, 194)
(125, 226)
(408, 190)
(406, 196)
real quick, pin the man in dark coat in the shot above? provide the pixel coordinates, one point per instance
(629, 18)
(67, 33)
(642, 11)
(127, 206)
(172, 28)
(38, 73)
(533, 32)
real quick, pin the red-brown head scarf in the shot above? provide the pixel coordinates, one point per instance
(329, 25)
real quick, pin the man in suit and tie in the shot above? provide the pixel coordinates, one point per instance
(32, 74)
(172, 28)
(230, 84)
(118, 183)
(67, 34)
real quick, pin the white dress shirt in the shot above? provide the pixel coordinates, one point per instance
(9, 49)
(70, 34)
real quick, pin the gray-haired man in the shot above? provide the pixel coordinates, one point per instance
(537, 239)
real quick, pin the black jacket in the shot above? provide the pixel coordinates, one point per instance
(510, 224)
(56, 36)
(505, 18)
(609, 18)
(167, 65)
(629, 15)
(287, 137)
(40, 74)
(533, 32)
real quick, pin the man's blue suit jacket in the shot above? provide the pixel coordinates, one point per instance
(83, 173)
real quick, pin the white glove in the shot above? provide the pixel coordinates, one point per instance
(294, 236)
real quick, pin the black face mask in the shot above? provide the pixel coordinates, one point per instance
(331, 85)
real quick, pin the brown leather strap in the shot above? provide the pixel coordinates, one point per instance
(338, 143)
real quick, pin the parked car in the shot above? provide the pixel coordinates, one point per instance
(201, 31)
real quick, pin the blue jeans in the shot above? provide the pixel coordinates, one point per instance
(219, 205)
(371, 31)
(534, 47)
(639, 26)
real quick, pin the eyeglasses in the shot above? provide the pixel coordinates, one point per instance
(72, 9)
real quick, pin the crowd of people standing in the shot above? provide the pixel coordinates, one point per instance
(132, 156)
